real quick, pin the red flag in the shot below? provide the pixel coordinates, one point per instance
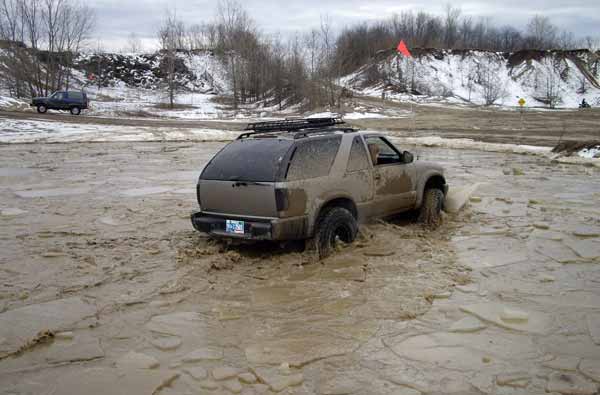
(403, 50)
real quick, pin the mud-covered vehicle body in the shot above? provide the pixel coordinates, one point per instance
(300, 179)
(73, 101)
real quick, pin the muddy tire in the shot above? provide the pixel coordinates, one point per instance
(431, 209)
(75, 110)
(335, 225)
(42, 109)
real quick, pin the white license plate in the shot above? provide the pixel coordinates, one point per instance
(236, 227)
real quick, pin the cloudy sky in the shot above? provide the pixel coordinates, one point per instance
(118, 18)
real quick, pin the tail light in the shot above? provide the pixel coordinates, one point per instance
(198, 193)
(282, 201)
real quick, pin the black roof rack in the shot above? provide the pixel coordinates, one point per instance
(289, 125)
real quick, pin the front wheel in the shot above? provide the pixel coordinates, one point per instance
(42, 109)
(431, 209)
(335, 226)
(75, 110)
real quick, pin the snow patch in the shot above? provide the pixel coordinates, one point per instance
(9, 103)
(458, 78)
(436, 141)
(32, 131)
(590, 153)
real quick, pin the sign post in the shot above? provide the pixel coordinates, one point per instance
(522, 103)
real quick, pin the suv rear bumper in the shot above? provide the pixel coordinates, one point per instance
(293, 228)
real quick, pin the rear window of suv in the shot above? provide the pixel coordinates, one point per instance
(313, 158)
(248, 160)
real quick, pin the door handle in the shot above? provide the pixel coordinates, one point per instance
(377, 177)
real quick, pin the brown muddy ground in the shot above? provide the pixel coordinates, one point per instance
(105, 288)
(533, 127)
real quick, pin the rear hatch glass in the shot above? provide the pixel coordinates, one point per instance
(257, 160)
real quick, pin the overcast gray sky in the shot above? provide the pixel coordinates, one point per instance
(117, 18)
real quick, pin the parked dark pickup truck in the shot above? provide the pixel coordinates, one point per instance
(73, 101)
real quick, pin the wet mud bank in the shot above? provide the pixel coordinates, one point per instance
(106, 288)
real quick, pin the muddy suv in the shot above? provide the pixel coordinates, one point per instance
(73, 101)
(299, 179)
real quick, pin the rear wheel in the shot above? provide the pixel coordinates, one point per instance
(42, 109)
(431, 209)
(335, 226)
(75, 110)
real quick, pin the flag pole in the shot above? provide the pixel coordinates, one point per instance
(403, 49)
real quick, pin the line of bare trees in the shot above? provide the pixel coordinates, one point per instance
(306, 68)
(262, 69)
(356, 44)
(40, 39)
(44, 37)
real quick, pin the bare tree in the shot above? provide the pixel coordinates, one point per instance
(541, 32)
(451, 22)
(329, 68)
(548, 77)
(488, 77)
(171, 38)
(592, 43)
(46, 37)
(134, 44)
(235, 37)
(312, 44)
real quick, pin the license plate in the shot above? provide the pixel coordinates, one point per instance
(236, 227)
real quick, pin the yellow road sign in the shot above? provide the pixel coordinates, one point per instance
(521, 102)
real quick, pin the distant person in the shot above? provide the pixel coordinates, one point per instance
(584, 104)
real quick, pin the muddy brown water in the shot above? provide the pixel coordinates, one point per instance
(105, 288)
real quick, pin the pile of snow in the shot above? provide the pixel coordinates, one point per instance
(461, 77)
(137, 102)
(469, 144)
(133, 86)
(33, 131)
(11, 104)
(198, 71)
(458, 143)
(364, 115)
(590, 153)
(361, 112)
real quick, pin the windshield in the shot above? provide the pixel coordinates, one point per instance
(248, 160)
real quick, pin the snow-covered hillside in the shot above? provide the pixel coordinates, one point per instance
(133, 84)
(542, 78)
(199, 71)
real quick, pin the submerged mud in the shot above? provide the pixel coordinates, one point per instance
(503, 298)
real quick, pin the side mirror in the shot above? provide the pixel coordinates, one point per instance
(407, 157)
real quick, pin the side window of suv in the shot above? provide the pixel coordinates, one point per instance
(358, 159)
(75, 96)
(313, 158)
(382, 152)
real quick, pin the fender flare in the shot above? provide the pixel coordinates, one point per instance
(312, 221)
